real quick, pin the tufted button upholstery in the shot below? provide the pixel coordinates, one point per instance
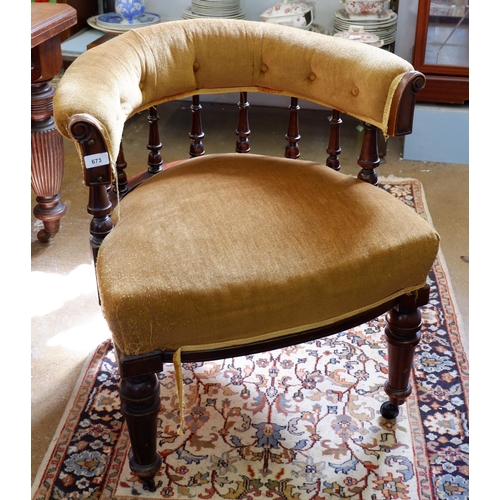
(162, 62)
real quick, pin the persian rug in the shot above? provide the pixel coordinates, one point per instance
(300, 423)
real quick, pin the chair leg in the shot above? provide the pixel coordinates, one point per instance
(402, 332)
(140, 403)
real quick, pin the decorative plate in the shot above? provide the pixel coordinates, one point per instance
(114, 21)
(385, 15)
(360, 36)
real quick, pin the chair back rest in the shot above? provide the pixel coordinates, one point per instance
(142, 68)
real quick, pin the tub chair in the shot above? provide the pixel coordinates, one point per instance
(231, 254)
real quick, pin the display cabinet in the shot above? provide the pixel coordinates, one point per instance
(441, 50)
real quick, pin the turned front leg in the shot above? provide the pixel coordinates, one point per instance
(403, 335)
(140, 404)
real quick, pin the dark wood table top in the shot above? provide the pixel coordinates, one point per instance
(50, 19)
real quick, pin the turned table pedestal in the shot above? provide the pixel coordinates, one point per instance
(48, 20)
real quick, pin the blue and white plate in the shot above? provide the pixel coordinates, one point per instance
(115, 22)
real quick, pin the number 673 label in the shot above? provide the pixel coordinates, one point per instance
(97, 160)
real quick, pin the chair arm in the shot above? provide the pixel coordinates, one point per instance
(403, 103)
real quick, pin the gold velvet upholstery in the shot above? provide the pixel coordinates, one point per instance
(236, 248)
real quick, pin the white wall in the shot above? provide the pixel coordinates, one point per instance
(325, 9)
(405, 35)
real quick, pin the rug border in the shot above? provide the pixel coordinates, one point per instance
(64, 417)
(442, 261)
(440, 268)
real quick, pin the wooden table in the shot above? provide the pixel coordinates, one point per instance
(48, 21)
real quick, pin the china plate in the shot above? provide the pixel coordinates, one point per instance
(188, 14)
(383, 16)
(92, 22)
(371, 29)
(112, 20)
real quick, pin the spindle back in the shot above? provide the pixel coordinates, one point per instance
(169, 61)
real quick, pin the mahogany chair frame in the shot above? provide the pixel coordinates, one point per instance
(139, 387)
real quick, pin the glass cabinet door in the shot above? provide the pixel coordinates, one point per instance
(442, 50)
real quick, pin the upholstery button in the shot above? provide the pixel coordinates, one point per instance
(196, 66)
(264, 68)
(355, 91)
(312, 77)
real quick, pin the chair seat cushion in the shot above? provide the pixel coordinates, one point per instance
(226, 249)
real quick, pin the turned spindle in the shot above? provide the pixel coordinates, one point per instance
(293, 136)
(243, 129)
(368, 159)
(196, 135)
(155, 160)
(334, 149)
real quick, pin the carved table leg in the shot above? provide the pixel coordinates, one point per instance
(140, 401)
(403, 334)
(47, 154)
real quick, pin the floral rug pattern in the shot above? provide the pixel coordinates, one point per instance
(295, 423)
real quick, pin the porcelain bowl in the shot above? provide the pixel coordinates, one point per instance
(357, 34)
(364, 6)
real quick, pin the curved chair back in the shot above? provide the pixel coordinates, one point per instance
(173, 60)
